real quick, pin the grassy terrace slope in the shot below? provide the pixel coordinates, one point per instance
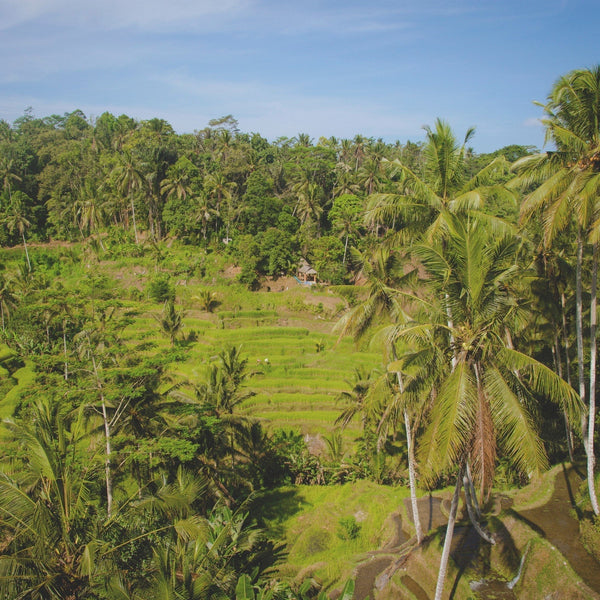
(298, 369)
(298, 366)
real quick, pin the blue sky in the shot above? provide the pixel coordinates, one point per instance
(379, 68)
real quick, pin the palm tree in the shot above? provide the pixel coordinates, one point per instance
(482, 403)
(91, 210)
(178, 181)
(444, 186)
(204, 212)
(207, 299)
(7, 300)
(356, 402)
(384, 275)
(16, 220)
(129, 179)
(49, 524)
(171, 321)
(567, 184)
(219, 188)
(7, 175)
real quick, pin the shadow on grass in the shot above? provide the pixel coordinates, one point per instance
(470, 554)
(273, 508)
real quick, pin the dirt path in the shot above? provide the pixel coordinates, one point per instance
(369, 573)
(555, 523)
(552, 521)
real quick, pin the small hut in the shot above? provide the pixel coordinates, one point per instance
(306, 274)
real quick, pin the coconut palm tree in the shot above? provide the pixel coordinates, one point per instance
(8, 175)
(171, 321)
(7, 300)
(567, 189)
(384, 275)
(482, 406)
(129, 179)
(16, 220)
(50, 527)
(218, 188)
(444, 186)
(356, 402)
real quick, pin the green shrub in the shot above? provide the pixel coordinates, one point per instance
(348, 528)
(160, 288)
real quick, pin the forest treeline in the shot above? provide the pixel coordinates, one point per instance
(477, 277)
(65, 178)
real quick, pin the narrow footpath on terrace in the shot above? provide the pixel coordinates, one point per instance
(554, 521)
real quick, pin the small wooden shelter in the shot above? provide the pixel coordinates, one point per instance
(306, 274)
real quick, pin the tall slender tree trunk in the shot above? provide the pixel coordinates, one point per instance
(558, 368)
(591, 459)
(133, 218)
(107, 439)
(579, 331)
(65, 351)
(412, 477)
(345, 250)
(107, 465)
(565, 334)
(439, 589)
(412, 480)
(26, 251)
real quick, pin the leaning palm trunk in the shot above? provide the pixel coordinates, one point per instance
(412, 477)
(439, 589)
(26, 251)
(591, 459)
(473, 509)
(411, 465)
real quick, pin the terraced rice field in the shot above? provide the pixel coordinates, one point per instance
(298, 366)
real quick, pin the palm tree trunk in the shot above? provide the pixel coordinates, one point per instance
(563, 303)
(411, 462)
(26, 251)
(565, 335)
(65, 352)
(133, 219)
(412, 478)
(107, 464)
(345, 250)
(558, 368)
(579, 331)
(439, 589)
(473, 516)
(591, 459)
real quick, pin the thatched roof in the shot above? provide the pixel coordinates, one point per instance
(306, 269)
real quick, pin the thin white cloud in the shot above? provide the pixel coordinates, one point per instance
(152, 15)
(274, 110)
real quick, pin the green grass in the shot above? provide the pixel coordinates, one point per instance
(307, 366)
(307, 520)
